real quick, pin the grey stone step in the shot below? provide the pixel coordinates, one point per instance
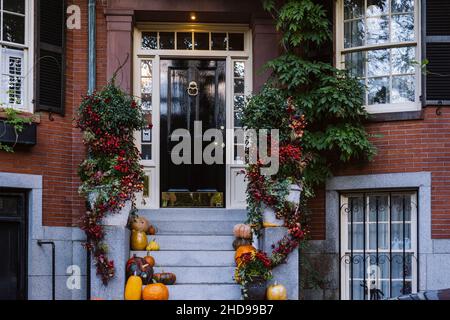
(193, 242)
(205, 292)
(201, 275)
(195, 227)
(190, 258)
(194, 214)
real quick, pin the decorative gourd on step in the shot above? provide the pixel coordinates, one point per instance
(133, 288)
(151, 230)
(140, 224)
(238, 242)
(166, 278)
(149, 260)
(153, 246)
(155, 291)
(138, 240)
(243, 231)
(139, 267)
(276, 292)
(241, 250)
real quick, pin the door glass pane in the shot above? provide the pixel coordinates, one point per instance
(239, 69)
(167, 40)
(219, 41)
(149, 40)
(236, 41)
(184, 40)
(9, 206)
(201, 40)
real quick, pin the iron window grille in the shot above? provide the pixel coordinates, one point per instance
(378, 244)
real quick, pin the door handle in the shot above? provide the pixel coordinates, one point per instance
(192, 89)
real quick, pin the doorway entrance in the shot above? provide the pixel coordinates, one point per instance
(192, 95)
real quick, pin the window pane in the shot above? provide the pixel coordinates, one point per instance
(238, 86)
(377, 30)
(403, 89)
(402, 28)
(149, 40)
(398, 289)
(378, 62)
(378, 208)
(355, 64)
(400, 204)
(402, 60)
(146, 68)
(146, 102)
(184, 40)
(358, 236)
(353, 33)
(401, 266)
(239, 102)
(239, 69)
(377, 7)
(236, 41)
(402, 6)
(358, 289)
(397, 236)
(146, 135)
(166, 40)
(382, 241)
(353, 9)
(237, 118)
(146, 85)
(14, 5)
(13, 28)
(378, 90)
(218, 41)
(201, 40)
(146, 152)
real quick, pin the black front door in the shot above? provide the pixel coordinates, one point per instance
(13, 246)
(192, 91)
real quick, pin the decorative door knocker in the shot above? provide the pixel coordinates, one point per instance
(192, 89)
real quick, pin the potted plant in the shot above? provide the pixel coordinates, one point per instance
(252, 273)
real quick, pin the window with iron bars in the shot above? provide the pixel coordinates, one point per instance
(378, 243)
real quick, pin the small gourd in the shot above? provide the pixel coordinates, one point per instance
(152, 246)
(133, 288)
(166, 278)
(149, 260)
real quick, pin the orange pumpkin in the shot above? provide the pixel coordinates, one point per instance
(156, 291)
(243, 231)
(241, 250)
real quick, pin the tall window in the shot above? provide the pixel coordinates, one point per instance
(13, 53)
(378, 245)
(378, 43)
(146, 101)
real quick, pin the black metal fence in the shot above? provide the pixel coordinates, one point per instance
(378, 242)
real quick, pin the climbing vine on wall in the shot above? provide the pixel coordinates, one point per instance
(318, 110)
(111, 174)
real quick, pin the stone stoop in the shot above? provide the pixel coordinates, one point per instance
(196, 245)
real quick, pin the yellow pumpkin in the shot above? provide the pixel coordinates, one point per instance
(156, 291)
(138, 240)
(241, 250)
(276, 292)
(243, 231)
(152, 246)
(133, 288)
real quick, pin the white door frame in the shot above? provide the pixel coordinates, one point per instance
(235, 184)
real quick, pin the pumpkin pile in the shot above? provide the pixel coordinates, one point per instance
(139, 271)
(243, 242)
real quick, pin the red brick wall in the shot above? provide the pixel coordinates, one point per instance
(59, 149)
(407, 146)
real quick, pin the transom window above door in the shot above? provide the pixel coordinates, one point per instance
(192, 40)
(378, 43)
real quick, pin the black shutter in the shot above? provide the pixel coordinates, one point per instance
(436, 49)
(50, 56)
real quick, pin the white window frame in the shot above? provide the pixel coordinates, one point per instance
(234, 185)
(341, 51)
(27, 64)
(345, 250)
